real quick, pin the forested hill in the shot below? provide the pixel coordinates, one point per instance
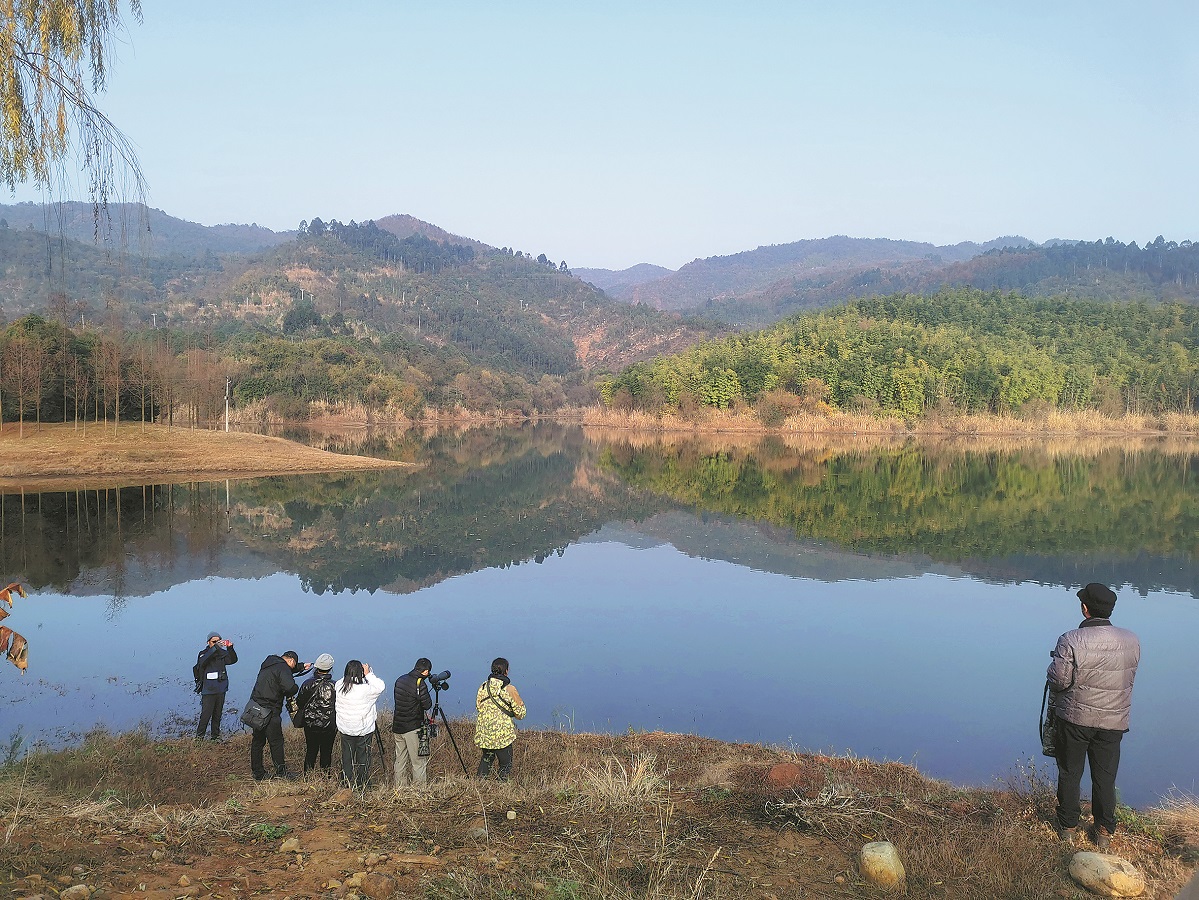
(959, 350)
(342, 313)
(1102, 270)
(137, 229)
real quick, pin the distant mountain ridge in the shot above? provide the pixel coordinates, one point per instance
(139, 229)
(720, 277)
(619, 284)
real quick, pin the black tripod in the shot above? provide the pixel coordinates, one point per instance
(438, 711)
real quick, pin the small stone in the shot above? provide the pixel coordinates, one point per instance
(371, 860)
(881, 866)
(355, 880)
(78, 870)
(378, 886)
(184, 881)
(345, 795)
(291, 845)
(840, 879)
(332, 884)
(76, 892)
(540, 886)
(478, 833)
(64, 879)
(157, 855)
(1106, 875)
(511, 815)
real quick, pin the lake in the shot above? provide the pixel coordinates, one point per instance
(897, 601)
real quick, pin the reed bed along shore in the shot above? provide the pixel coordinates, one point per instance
(586, 816)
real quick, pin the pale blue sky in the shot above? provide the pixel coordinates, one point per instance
(616, 133)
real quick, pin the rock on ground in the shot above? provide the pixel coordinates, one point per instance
(880, 865)
(1106, 875)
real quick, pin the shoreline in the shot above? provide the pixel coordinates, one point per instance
(586, 816)
(56, 456)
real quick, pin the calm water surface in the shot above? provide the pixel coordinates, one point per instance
(898, 603)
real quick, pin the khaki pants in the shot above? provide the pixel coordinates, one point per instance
(406, 747)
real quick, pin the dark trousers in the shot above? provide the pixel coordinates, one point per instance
(212, 706)
(503, 756)
(271, 733)
(1100, 748)
(319, 740)
(356, 760)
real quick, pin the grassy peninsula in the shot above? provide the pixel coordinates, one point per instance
(587, 816)
(45, 457)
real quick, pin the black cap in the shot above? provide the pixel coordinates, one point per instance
(1099, 598)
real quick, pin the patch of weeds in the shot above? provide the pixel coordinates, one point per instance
(16, 741)
(568, 890)
(1134, 823)
(234, 805)
(715, 794)
(268, 831)
(108, 794)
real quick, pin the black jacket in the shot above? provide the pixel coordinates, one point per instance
(317, 702)
(213, 660)
(275, 683)
(411, 699)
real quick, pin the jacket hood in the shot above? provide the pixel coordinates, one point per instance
(272, 661)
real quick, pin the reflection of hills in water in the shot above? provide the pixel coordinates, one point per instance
(767, 548)
(482, 498)
(499, 497)
(1010, 516)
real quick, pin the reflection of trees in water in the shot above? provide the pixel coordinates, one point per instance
(967, 507)
(53, 539)
(481, 497)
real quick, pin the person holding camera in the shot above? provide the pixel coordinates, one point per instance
(1091, 678)
(357, 715)
(276, 682)
(412, 701)
(316, 706)
(212, 682)
(498, 705)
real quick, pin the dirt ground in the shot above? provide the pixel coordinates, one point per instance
(49, 457)
(645, 815)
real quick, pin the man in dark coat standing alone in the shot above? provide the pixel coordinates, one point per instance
(212, 682)
(1091, 679)
(276, 682)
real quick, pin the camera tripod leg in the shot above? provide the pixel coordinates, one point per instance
(450, 732)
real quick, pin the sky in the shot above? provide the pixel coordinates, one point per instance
(610, 134)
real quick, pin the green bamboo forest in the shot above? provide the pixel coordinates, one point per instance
(960, 350)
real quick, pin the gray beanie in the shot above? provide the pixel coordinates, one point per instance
(324, 662)
(211, 635)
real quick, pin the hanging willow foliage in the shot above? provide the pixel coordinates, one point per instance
(54, 59)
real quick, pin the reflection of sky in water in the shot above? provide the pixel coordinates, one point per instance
(944, 672)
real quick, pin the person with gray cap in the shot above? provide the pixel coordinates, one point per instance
(316, 711)
(1091, 679)
(212, 682)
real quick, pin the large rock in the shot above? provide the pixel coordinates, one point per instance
(784, 775)
(880, 865)
(1106, 875)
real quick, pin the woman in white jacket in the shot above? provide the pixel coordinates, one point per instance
(356, 714)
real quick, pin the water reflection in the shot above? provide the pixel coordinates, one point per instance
(896, 601)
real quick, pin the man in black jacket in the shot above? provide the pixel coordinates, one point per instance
(212, 682)
(412, 700)
(276, 682)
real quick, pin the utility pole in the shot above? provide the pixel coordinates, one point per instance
(228, 387)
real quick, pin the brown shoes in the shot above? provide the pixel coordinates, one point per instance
(1102, 838)
(1068, 835)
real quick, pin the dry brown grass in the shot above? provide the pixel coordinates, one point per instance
(647, 815)
(99, 455)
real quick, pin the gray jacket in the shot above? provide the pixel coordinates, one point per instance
(1092, 672)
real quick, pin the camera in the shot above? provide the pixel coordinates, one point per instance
(440, 681)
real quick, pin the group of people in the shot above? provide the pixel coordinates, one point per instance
(348, 708)
(1090, 678)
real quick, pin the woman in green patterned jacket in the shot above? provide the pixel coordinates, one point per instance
(498, 704)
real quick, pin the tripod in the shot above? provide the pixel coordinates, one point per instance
(438, 711)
